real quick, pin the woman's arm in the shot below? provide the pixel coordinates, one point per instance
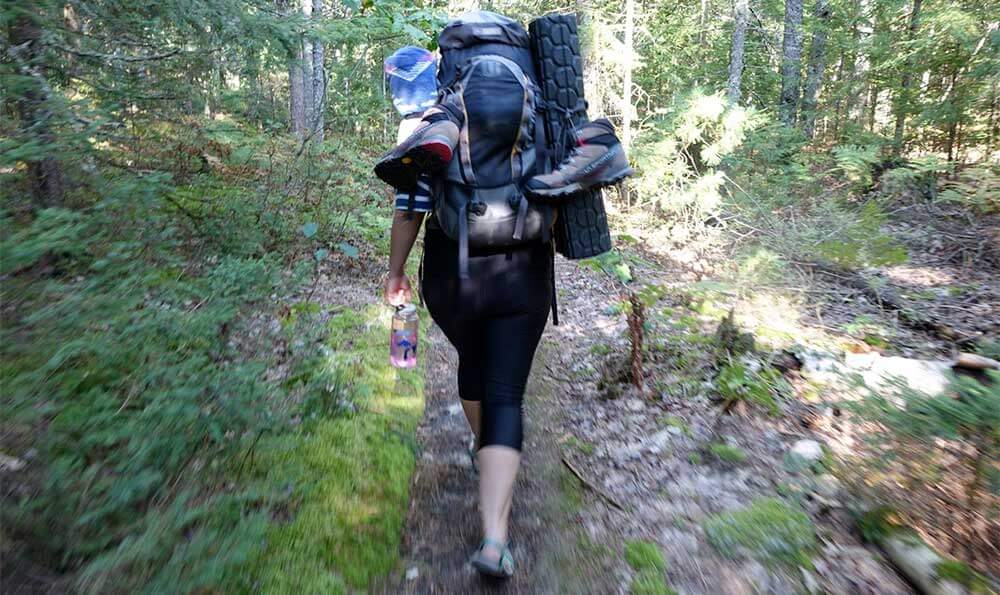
(402, 236)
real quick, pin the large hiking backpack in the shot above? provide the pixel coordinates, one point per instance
(488, 83)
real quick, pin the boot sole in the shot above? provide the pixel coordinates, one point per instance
(403, 171)
(576, 187)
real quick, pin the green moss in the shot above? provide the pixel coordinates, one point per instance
(672, 421)
(348, 476)
(726, 453)
(570, 492)
(583, 446)
(644, 555)
(769, 529)
(963, 574)
(878, 523)
(600, 349)
(876, 341)
(650, 582)
(694, 457)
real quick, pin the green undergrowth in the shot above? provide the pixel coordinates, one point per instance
(727, 453)
(646, 559)
(176, 432)
(348, 476)
(963, 574)
(769, 529)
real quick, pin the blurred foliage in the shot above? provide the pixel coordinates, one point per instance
(914, 421)
(739, 382)
(977, 188)
(768, 528)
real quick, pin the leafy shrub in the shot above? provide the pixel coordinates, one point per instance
(768, 528)
(976, 187)
(612, 263)
(858, 241)
(856, 162)
(681, 159)
(737, 382)
(916, 178)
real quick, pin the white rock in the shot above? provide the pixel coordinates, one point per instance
(924, 375)
(659, 440)
(412, 573)
(634, 405)
(810, 582)
(860, 361)
(827, 486)
(454, 409)
(632, 450)
(10, 463)
(809, 450)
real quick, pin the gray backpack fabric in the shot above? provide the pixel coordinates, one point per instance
(488, 85)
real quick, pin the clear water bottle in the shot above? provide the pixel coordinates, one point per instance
(403, 345)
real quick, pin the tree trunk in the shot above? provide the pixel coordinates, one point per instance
(817, 63)
(740, 14)
(991, 139)
(627, 86)
(318, 83)
(307, 91)
(296, 97)
(591, 67)
(954, 115)
(857, 63)
(902, 106)
(45, 172)
(296, 89)
(703, 23)
(839, 101)
(307, 52)
(791, 62)
(873, 92)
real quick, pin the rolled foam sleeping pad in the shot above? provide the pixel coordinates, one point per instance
(581, 229)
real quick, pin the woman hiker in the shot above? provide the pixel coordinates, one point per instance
(491, 302)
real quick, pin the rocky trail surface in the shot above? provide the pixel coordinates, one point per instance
(601, 475)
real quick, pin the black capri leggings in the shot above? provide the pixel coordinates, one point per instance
(494, 319)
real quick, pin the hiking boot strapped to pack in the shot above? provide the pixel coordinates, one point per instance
(597, 160)
(427, 150)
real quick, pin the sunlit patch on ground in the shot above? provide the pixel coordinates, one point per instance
(921, 276)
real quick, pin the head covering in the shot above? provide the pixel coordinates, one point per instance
(412, 76)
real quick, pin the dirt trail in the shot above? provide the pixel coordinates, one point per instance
(567, 537)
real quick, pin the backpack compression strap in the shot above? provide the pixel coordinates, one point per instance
(527, 114)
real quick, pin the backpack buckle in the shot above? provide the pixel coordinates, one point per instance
(477, 208)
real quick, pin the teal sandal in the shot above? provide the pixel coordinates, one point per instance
(501, 568)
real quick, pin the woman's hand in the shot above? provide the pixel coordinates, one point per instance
(397, 290)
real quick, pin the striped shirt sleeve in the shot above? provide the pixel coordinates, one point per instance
(423, 200)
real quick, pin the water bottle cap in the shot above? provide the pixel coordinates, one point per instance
(407, 309)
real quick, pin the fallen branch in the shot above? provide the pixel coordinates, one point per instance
(116, 57)
(971, 361)
(888, 299)
(610, 500)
